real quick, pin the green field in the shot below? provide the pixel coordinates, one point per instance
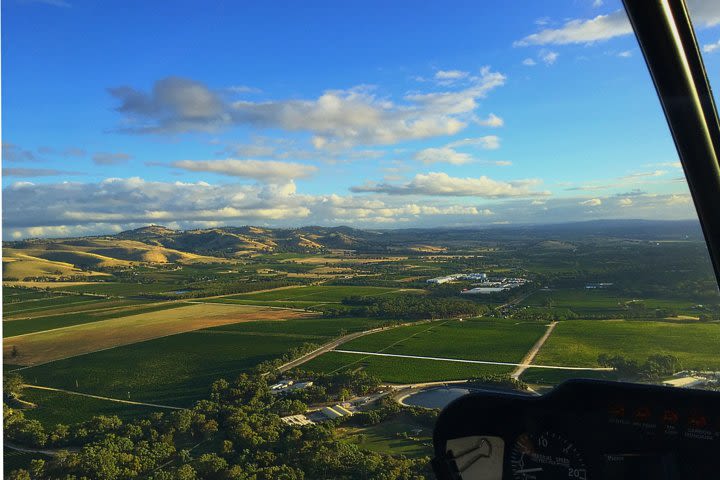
(177, 370)
(475, 339)
(402, 370)
(318, 294)
(48, 322)
(33, 307)
(479, 339)
(602, 301)
(124, 289)
(59, 407)
(385, 437)
(579, 342)
(546, 376)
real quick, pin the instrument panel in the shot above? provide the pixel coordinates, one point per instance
(583, 429)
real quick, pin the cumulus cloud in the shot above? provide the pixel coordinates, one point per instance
(625, 54)
(441, 184)
(72, 208)
(625, 202)
(107, 158)
(337, 118)
(121, 203)
(592, 202)
(711, 47)
(529, 62)
(704, 13)
(263, 170)
(492, 120)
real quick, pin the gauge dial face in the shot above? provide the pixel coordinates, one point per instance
(544, 456)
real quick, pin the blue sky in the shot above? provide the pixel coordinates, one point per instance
(370, 114)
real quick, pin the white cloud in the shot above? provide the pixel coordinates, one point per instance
(336, 119)
(502, 163)
(492, 121)
(704, 13)
(597, 3)
(602, 27)
(448, 77)
(70, 208)
(442, 155)
(711, 47)
(548, 57)
(654, 173)
(264, 170)
(488, 142)
(441, 184)
(625, 54)
(676, 199)
(529, 62)
(625, 202)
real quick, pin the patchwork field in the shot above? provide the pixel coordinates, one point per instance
(594, 301)
(401, 370)
(320, 294)
(480, 339)
(49, 321)
(42, 347)
(58, 407)
(179, 369)
(579, 342)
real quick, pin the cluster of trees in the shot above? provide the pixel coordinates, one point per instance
(502, 381)
(544, 314)
(656, 366)
(331, 387)
(271, 366)
(389, 409)
(412, 307)
(239, 423)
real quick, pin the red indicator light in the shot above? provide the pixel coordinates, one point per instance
(670, 416)
(642, 414)
(697, 421)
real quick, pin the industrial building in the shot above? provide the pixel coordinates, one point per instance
(286, 386)
(480, 277)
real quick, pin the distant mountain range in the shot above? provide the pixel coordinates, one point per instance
(158, 244)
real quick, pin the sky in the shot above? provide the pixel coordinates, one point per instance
(372, 114)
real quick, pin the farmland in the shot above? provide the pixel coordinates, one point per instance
(402, 370)
(475, 339)
(42, 347)
(579, 342)
(163, 332)
(321, 294)
(179, 369)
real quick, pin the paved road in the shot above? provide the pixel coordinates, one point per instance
(98, 397)
(530, 356)
(480, 362)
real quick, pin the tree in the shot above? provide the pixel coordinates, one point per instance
(13, 385)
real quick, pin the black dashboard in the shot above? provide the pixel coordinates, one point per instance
(583, 429)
